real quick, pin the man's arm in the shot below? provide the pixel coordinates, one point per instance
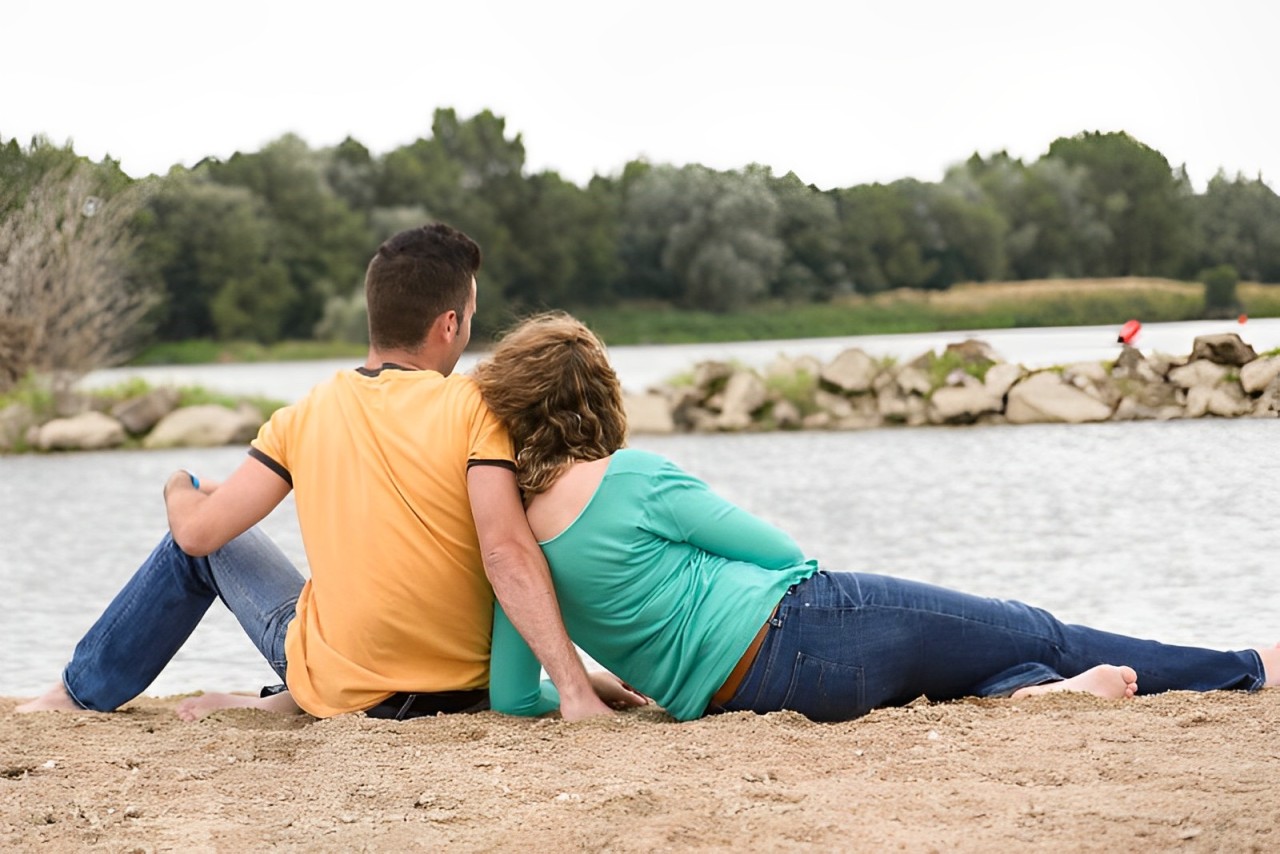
(518, 572)
(204, 521)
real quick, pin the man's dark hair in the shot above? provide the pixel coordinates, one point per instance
(414, 278)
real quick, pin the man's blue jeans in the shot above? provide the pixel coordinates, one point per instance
(158, 609)
(842, 644)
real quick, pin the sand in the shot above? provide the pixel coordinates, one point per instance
(1063, 772)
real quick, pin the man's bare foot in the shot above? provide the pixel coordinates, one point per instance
(1106, 680)
(1271, 665)
(195, 708)
(56, 699)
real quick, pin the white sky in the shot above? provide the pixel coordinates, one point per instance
(841, 93)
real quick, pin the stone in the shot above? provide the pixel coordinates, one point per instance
(973, 351)
(786, 416)
(1201, 372)
(744, 394)
(139, 414)
(88, 431)
(204, 426)
(838, 406)
(851, 371)
(1044, 397)
(648, 413)
(911, 379)
(15, 420)
(962, 404)
(892, 404)
(1258, 374)
(711, 376)
(1001, 377)
(1268, 403)
(1226, 401)
(1225, 349)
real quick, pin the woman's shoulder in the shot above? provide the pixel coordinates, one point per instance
(637, 461)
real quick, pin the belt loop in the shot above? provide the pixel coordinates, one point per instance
(408, 704)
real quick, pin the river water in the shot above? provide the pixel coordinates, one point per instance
(1164, 530)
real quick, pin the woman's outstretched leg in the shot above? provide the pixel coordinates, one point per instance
(846, 643)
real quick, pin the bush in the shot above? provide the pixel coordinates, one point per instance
(1220, 291)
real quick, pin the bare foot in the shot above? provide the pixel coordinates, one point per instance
(1106, 680)
(1271, 665)
(195, 708)
(56, 699)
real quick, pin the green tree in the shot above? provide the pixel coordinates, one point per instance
(717, 232)
(322, 244)
(205, 237)
(883, 240)
(1144, 204)
(809, 228)
(1238, 223)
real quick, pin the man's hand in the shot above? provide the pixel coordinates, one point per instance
(613, 692)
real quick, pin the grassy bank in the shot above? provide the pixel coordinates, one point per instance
(1058, 302)
(997, 305)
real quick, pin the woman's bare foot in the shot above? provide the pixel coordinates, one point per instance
(56, 699)
(1106, 680)
(1271, 665)
(195, 708)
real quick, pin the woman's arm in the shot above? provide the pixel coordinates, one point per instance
(515, 686)
(692, 513)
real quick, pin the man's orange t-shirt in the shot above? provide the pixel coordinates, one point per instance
(398, 599)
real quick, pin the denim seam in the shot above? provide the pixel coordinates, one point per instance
(71, 693)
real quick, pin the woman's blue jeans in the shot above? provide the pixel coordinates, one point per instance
(842, 644)
(158, 609)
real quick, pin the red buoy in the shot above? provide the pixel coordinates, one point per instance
(1242, 318)
(1128, 332)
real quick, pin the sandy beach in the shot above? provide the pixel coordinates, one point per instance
(1064, 772)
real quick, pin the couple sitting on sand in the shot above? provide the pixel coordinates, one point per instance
(421, 494)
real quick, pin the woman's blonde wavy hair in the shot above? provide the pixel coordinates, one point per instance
(550, 383)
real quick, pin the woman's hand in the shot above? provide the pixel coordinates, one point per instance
(615, 693)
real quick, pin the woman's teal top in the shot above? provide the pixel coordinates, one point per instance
(661, 581)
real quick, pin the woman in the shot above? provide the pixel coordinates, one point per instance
(706, 608)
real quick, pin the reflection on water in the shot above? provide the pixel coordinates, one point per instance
(1155, 529)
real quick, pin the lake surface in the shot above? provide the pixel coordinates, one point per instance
(641, 367)
(1163, 530)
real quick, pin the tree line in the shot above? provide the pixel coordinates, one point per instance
(271, 245)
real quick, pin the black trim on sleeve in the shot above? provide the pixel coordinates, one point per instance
(273, 465)
(502, 464)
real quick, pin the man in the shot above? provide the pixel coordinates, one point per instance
(406, 498)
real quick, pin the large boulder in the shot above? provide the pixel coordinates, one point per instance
(139, 414)
(744, 394)
(852, 371)
(1227, 400)
(1044, 397)
(1225, 349)
(962, 404)
(1258, 374)
(204, 426)
(648, 413)
(1201, 372)
(88, 431)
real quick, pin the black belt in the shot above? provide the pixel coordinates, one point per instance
(404, 705)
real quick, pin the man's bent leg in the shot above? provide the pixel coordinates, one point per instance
(149, 620)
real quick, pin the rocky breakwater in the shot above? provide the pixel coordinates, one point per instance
(152, 420)
(967, 383)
